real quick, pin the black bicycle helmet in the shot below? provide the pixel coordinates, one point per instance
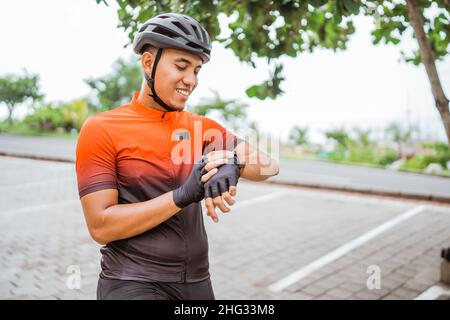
(176, 31)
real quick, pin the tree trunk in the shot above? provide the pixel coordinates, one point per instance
(428, 60)
(10, 111)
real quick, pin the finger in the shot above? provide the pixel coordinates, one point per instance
(214, 155)
(215, 190)
(216, 163)
(208, 175)
(233, 190)
(227, 197)
(218, 202)
(207, 189)
(211, 209)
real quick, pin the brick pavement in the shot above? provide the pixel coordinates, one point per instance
(251, 247)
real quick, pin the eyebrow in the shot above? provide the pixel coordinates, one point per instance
(181, 59)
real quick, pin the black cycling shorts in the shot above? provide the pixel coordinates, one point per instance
(111, 289)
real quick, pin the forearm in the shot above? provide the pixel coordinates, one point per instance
(258, 165)
(259, 170)
(122, 221)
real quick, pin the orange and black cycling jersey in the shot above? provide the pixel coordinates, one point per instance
(144, 153)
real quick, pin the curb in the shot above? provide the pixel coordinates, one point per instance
(363, 191)
(35, 157)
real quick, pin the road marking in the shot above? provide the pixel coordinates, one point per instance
(433, 293)
(260, 199)
(342, 250)
(255, 200)
(360, 199)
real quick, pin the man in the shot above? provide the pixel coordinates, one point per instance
(140, 191)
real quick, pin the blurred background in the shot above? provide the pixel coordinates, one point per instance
(355, 93)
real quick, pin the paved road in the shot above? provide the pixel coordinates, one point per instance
(302, 172)
(59, 148)
(273, 233)
(359, 178)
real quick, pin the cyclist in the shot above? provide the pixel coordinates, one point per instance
(140, 202)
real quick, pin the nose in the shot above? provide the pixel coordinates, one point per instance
(190, 80)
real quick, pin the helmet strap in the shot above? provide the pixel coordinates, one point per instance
(151, 83)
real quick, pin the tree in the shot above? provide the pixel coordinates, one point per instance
(399, 135)
(341, 138)
(272, 29)
(233, 112)
(363, 137)
(116, 88)
(64, 115)
(299, 135)
(17, 89)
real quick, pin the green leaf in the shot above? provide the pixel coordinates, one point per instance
(351, 6)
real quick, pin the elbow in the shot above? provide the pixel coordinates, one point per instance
(266, 172)
(273, 169)
(276, 167)
(99, 236)
(263, 173)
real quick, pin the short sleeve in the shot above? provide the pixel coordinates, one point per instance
(217, 137)
(95, 159)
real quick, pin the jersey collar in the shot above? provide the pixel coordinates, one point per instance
(148, 112)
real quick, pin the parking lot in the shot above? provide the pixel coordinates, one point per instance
(276, 243)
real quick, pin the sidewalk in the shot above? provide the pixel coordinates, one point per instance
(313, 174)
(329, 238)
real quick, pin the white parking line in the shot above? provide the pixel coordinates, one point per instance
(255, 200)
(342, 250)
(363, 199)
(263, 198)
(433, 293)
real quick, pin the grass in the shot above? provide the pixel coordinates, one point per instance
(293, 156)
(22, 129)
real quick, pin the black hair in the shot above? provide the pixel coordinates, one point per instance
(147, 48)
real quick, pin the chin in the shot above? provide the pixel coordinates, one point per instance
(178, 106)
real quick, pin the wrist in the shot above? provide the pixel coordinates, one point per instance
(240, 162)
(180, 197)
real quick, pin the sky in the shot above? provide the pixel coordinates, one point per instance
(365, 86)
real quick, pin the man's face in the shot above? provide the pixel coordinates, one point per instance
(176, 76)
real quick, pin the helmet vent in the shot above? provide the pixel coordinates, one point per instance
(196, 46)
(196, 31)
(204, 35)
(165, 32)
(181, 27)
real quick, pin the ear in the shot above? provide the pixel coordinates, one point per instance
(147, 59)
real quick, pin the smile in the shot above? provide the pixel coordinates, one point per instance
(183, 92)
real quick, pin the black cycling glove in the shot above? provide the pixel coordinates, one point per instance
(192, 190)
(227, 176)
